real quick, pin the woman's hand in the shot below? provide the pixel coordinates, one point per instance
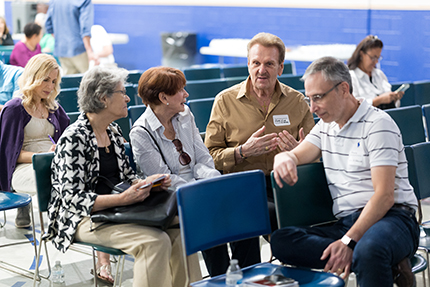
(135, 193)
(386, 98)
(164, 184)
(52, 148)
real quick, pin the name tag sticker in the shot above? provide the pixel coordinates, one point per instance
(281, 120)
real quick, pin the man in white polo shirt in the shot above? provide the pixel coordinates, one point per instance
(366, 169)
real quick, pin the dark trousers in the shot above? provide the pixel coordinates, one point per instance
(386, 243)
(247, 252)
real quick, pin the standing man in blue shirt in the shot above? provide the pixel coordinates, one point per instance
(70, 22)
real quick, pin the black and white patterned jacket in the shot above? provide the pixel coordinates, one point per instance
(75, 168)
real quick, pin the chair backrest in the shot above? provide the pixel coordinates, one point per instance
(42, 170)
(201, 109)
(73, 116)
(134, 76)
(131, 91)
(124, 124)
(292, 81)
(68, 99)
(222, 209)
(129, 153)
(410, 122)
(421, 158)
(205, 88)
(192, 74)
(308, 202)
(134, 112)
(288, 68)
(422, 92)
(409, 96)
(426, 114)
(235, 71)
(71, 81)
(234, 80)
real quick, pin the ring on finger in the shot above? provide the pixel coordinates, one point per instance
(339, 271)
(267, 148)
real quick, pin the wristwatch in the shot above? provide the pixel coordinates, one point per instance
(348, 241)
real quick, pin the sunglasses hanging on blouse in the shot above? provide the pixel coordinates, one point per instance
(184, 158)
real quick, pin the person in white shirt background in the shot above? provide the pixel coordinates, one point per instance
(368, 81)
(102, 47)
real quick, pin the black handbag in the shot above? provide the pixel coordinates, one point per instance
(157, 210)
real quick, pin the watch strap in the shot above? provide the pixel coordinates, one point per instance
(348, 241)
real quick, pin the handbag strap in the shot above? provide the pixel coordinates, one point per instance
(153, 139)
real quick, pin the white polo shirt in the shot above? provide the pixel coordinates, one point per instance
(370, 138)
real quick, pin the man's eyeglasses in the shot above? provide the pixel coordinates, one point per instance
(317, 98)
(374, 58)
(184, 158)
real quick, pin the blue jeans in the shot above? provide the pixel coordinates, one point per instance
(384, 245)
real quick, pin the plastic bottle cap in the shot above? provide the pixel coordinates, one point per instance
(58, 262)
(234, 261)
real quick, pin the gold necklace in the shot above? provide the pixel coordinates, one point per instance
(41, 113)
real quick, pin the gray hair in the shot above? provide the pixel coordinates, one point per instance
(97, 83)
(332, 70)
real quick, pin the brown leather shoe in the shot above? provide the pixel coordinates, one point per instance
(403, 276)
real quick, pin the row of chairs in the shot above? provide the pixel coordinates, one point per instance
(417, 94)
(227, 71)
(73, 81)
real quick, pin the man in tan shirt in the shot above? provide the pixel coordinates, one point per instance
(254, 120)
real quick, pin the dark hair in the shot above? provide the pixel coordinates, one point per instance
(331, 69)
(370, 42)
(31, 29)
(160, 80)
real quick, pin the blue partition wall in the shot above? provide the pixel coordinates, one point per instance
(405, 33)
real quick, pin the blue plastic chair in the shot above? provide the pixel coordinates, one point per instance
(201, 109)
(12, 200)
(134, 112)
(422, 92)
(410, 122)
(409, 96)
(205, 88)
(228, 208)
(73, 116)
(192, 74)
(68, 99)
(292, 81)
(134, 76)
(71, 81)
(426, 114)
(42, 169)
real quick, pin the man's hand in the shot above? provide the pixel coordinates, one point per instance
(339, 258)
(285, 167)
(287, 142)
(257, 145)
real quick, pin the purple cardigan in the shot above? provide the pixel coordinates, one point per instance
(13, 119)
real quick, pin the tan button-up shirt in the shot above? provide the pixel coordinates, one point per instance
(236, 115)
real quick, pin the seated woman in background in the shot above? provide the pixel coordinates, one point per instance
(171, 144)
(28, 47)
(5, 37)
(368, 81)
(26, 123)
(94, 146)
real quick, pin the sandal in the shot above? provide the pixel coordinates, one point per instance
(107, 279)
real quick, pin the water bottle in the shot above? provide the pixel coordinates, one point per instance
(234, 274)
(58, 273)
